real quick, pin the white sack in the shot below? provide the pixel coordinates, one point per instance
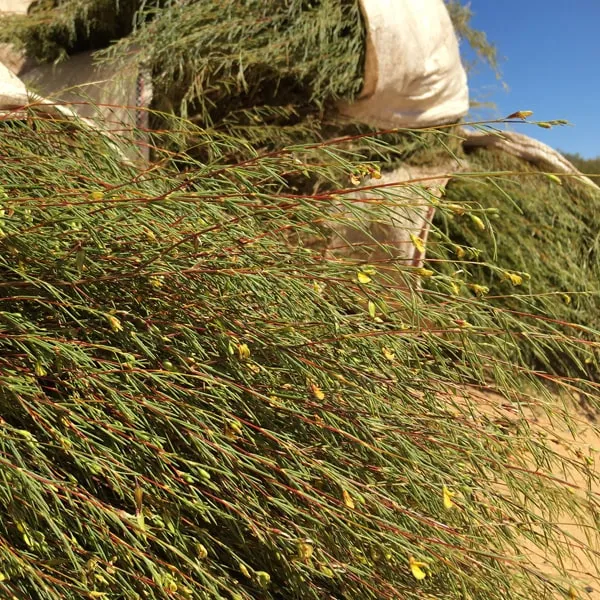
(15, 60)
(413, 73)
(10, 84)
(389, 240)
(14, 97)
(17, 102)
(522, 146)
(15, 7)
(413, 78)
(113, 97)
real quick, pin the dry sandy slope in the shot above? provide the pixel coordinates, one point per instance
(577, 438)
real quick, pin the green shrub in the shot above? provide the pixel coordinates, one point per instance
(194, 408)
(542, 242)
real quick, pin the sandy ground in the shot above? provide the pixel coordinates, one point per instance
(578, 440)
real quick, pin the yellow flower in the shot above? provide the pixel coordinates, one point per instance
(520, 114)
(448, 495)
(263, 578)
(253, 367)
(363, 277)
(572, 593)
(354, 179)
(317, 392)
(243, 351)
(233, 429)
(97, 195)
(388, 354)
(150, 235)
(305, 551)
(460, 253)
(418, 243)
(423, 272)
(201, 551)
(114, 323)
(416, 568)
(317, 287)
(480, 290)
(347, 499)
(514, 278)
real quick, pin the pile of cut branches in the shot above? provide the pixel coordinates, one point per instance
(196, 404)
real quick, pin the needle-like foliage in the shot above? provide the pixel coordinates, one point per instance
(195, 402)
(541, 239)
(194, 407)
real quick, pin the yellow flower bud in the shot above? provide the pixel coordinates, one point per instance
(263, 578)
(480, 224)
(244, 571)
(554, 178)
(39, 369)
(372, 309)
(456, 208)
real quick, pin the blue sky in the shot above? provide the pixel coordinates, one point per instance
(550, 61)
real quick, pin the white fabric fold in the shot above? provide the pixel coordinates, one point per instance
(413, 72)
(110, 98)
(409, 194)
(15, 98)
(524, 147)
